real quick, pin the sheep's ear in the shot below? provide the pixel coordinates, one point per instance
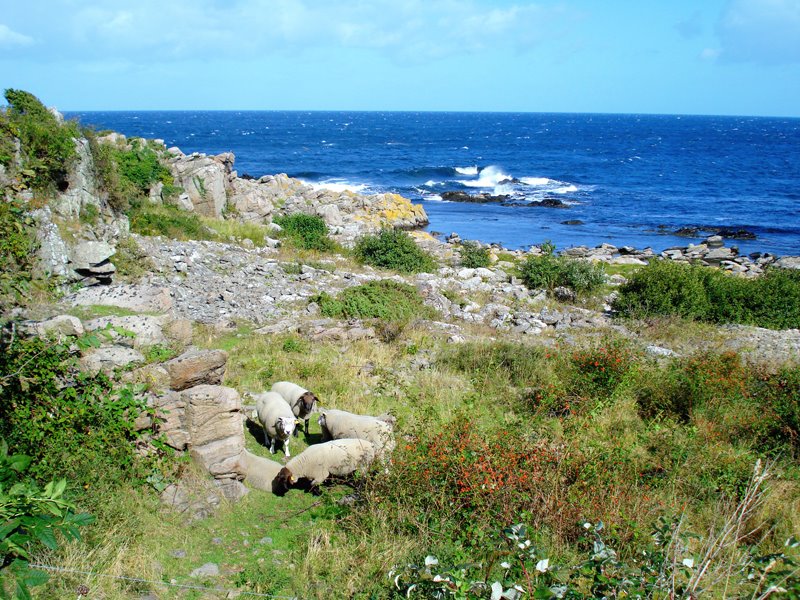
(292, 479)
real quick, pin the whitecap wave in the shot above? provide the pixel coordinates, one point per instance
(473, 170)
(565, 189)
(432, 183)
(537, 181)
(337, 186)
(488, 177)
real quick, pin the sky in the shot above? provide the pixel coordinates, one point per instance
(717, 57)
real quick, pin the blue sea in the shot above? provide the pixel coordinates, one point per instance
(624, 179)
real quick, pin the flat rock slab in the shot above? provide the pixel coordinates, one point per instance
(196, 367)
(138, 298)
(146, 330)
(108, 358)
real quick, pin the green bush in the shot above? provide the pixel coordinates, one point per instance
(30, 517)
(474, 256)
(48, 147)
(669, 288)
(549, 271)
(127, 173)
(307, 232)
(384, 299)
(393, 249)
(72, 424)
(17, 243)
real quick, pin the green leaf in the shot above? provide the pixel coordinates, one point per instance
(59, 488)
(19, 462)
(47, 537)
(81, 519)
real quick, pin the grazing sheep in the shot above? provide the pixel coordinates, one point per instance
(316, 463)
(277, 419)
(299, 398)
(259, 472)
(339, 424)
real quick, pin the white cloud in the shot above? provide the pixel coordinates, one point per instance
(760, 31)
(9, 37)
(405, 30)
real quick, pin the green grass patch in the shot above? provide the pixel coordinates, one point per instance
(383, 299)
(305, 232)
(393, 249)
(169, 221)
(230, 229)
(666, 288)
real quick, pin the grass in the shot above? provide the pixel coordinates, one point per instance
(574, 428)
(385, 299)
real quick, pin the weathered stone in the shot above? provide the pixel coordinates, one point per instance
(88, 254)
(788, 262)
(60, 325)
(207, 570)
(145, 330)
(108, 358)
(179, 330)
(52, 252)
(204, 180)
(564, 294)
(715, 241)
(251, 200)
(138, 298)
(197, 367)
(214, 423)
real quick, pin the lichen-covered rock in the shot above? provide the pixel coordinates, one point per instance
(204, 180)
(197, 367)
(216, 430)
(251, 200)
(109, 358)
(134, 331)
(138, 298)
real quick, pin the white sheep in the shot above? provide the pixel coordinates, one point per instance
(259, 472)
(277, 419)
(340, 424)
(299, 398)
(316, 463)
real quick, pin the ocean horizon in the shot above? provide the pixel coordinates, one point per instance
(642, 180)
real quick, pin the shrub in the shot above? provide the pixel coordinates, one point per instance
(393, 249)
(549, 271)
(308, 232)
(48, 147)
(17, 243)
(599, 369)
(383, 299)
(30, 516)
(473, 255)
(669, 288)
(463, 479)
(127, 173)
(69, 422)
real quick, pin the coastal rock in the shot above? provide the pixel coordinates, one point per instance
(216, 430)
(81, 190)
(196, 367)
(251, 200)
(109, 358)
(788, 262)
(459, 196)
(138, 298)
(204, 179)
(133, 331)
(58, 326)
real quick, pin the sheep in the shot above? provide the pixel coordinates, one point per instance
(316, 463)
(338, 424)
(300, 399)
(259, 473)
(277, 419)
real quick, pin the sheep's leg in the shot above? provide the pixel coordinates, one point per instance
(269, 440)
(286, 446)
(307, 420)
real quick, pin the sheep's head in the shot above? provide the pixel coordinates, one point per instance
(284, 427)
(283, 482)
(306, 402)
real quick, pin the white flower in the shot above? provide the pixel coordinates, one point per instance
(505, 565)
(688, 562)
(431, 560)
(587, 525)
(542, 565)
